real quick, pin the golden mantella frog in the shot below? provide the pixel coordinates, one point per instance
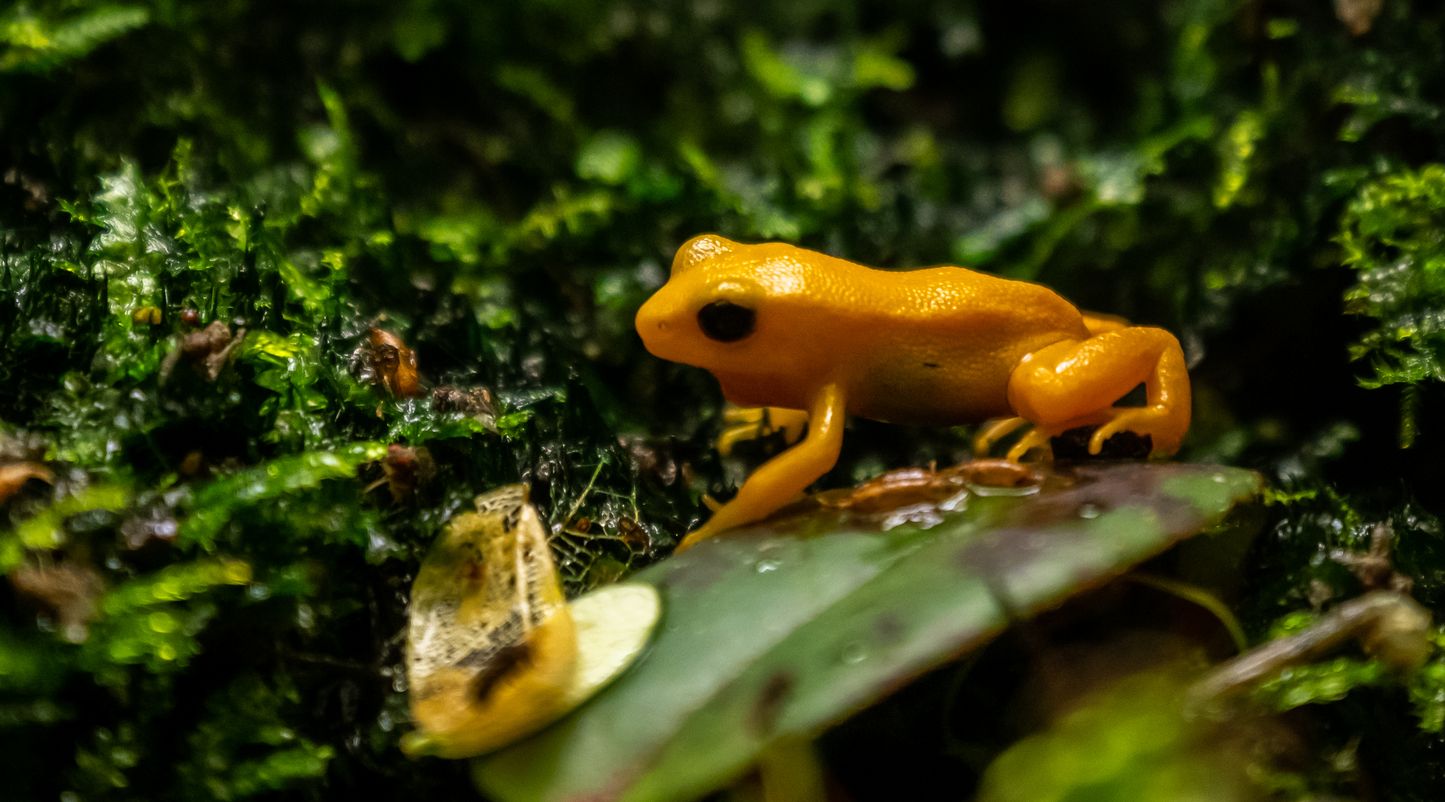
(780, 326)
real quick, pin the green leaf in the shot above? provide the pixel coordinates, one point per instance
(768, 635)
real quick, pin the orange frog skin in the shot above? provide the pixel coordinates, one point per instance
(780, 326)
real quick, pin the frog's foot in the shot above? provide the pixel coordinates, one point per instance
(1159, 424)
(1074, 383)
(994, 431)
(745, 424)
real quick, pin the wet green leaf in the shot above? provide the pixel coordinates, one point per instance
(769, 635)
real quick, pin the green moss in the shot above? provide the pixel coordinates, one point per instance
(35, 43)
(1391, 235)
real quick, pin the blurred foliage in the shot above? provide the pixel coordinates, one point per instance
(207, 600)
(1131, 741)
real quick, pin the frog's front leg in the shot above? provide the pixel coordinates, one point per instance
(1075, 383)
(786, 475)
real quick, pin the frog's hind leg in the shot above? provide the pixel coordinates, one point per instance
(1097, 323)
(1075, 383)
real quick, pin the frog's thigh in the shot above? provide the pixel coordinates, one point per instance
(1076, 379)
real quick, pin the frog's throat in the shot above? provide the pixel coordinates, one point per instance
(764, 390)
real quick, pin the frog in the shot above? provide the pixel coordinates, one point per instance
(784, 327)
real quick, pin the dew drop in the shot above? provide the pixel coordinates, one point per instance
(1089, 511)
(766, 566)
(853, 654)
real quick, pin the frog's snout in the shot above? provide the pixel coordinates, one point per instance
(654, 326)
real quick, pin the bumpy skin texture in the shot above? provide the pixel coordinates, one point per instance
(933, 345)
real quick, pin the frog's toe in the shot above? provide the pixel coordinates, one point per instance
(1036, 439)
(1151, 421)
(994, 431)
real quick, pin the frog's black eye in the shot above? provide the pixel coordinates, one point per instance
(726, 322)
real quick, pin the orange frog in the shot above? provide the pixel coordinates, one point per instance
(780, 326)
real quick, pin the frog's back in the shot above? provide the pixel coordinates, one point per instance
(944, 297)
(963, 300)
(938, 344)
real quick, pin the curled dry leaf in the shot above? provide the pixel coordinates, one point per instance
(66, 591)
(901, 489)
(14, 476)
(207, 350)
(385, 361)
(404, 468)
(495, 652)
(474, 401)
(1358, 15)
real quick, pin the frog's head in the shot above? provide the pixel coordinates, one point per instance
(733, 308)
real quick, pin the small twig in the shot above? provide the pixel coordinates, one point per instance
(1390, 626)
(1200, 598)
(581, 497)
